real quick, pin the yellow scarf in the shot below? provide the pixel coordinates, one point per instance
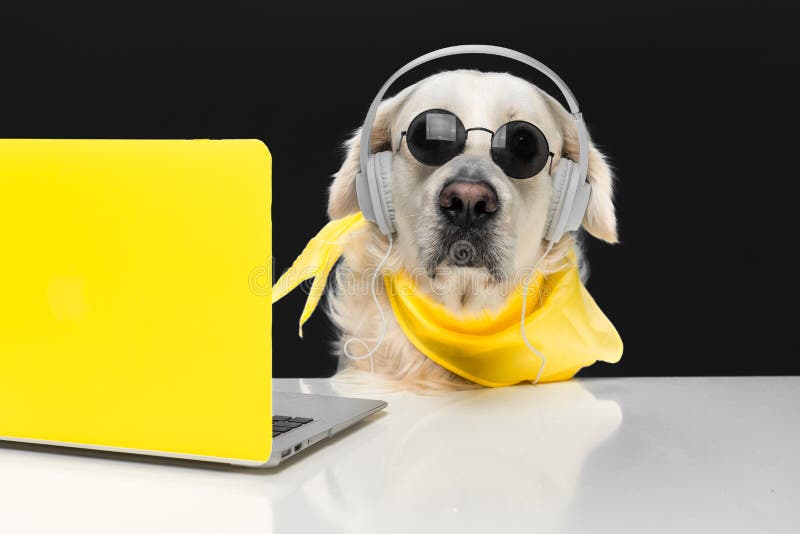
(566, 325)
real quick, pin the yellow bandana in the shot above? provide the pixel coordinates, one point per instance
(565, 325)
(317, 260)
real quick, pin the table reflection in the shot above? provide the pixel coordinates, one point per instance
(467, 461)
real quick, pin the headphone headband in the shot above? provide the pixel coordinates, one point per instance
(572, 103)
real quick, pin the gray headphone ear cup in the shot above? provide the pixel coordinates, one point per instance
(560, 179)
(383, 164)
(571, 195)
(374, 191)
(364, 197)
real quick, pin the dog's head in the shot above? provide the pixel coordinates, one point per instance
(466, 218)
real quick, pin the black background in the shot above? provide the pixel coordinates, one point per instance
(695, 103)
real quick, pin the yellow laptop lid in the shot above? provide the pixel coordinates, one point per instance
(128, 317)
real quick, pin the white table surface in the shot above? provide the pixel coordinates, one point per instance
(595, 455)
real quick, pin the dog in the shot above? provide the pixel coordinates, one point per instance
(478, 268)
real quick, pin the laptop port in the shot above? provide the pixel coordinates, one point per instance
(297, 447)
(286, 453)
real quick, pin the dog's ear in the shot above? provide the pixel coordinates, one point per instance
(342, 199)
(600, 219)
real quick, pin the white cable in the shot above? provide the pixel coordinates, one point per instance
(369, 353)
(526, 286)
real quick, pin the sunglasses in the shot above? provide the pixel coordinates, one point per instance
(436, 136)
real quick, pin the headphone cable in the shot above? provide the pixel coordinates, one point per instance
(369, 353)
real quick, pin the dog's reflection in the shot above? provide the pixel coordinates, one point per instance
(465, 461)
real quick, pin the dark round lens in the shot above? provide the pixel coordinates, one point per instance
(520, 149)
(435, 137)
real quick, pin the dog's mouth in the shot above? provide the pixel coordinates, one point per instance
(465, 248)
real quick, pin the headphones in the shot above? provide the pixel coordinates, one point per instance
(571, 191)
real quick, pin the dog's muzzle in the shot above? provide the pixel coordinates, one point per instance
(466, 233)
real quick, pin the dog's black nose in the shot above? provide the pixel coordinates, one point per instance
(468, 203)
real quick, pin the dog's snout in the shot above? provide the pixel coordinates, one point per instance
(468, 203)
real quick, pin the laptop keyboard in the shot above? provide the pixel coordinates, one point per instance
(282, 424)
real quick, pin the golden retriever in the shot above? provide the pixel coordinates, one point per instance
(424, 243)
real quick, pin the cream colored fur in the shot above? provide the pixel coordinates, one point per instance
(479, 99)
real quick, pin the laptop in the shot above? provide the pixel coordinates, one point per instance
(136, 310)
